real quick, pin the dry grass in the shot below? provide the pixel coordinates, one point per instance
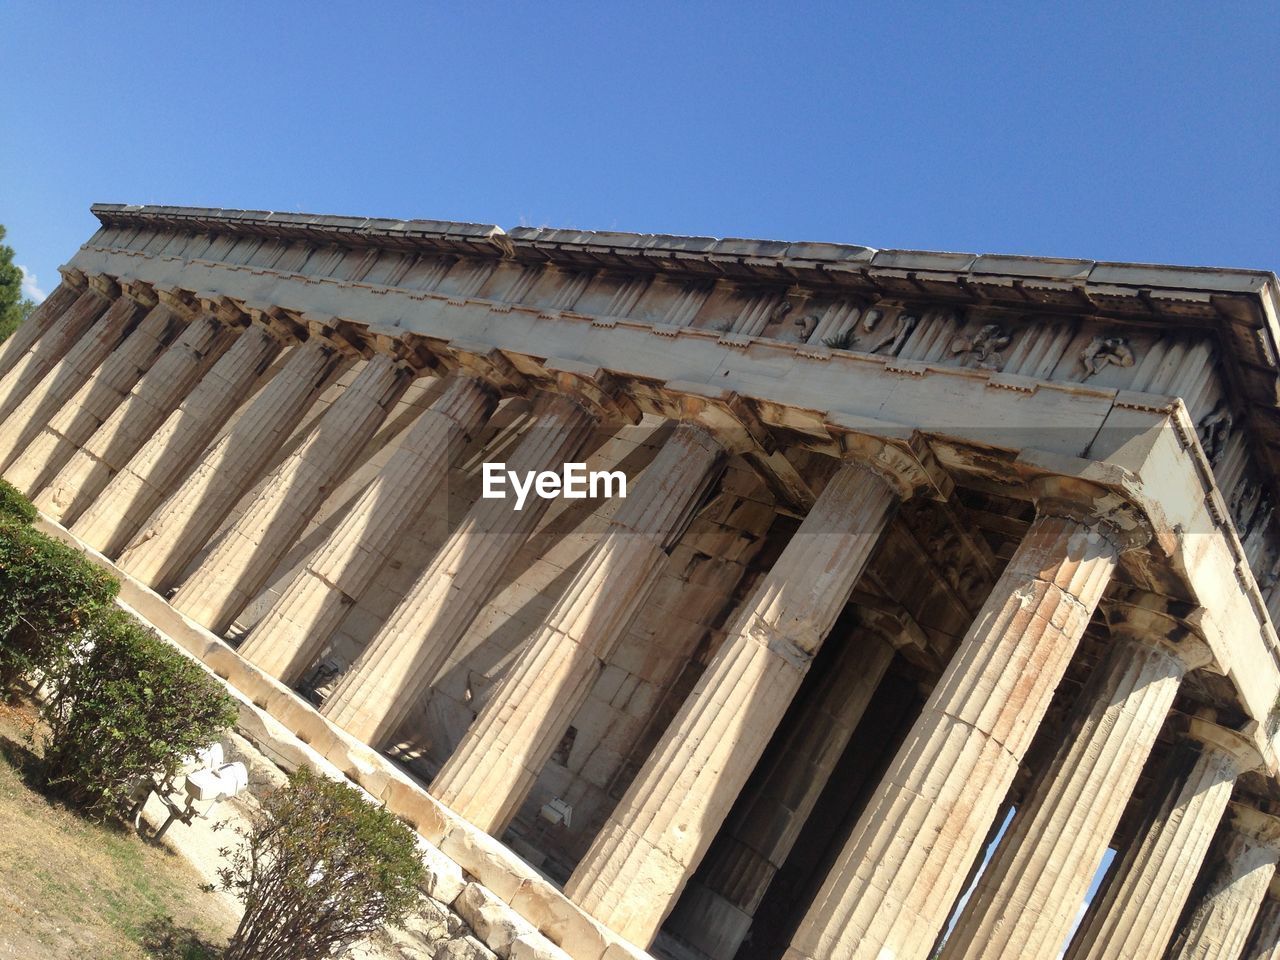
(73, 889)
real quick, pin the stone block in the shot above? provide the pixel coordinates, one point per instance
(534, 946)
(462, 948)
(444, 881)
(492, 919)
(486, 859)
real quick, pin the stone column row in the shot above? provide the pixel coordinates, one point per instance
(397, 668)
(42, 318)
(340, 571)
(657, 834)
(136, 489)
(1030, 893)
(1220, 924)
(495, 766)
(1135, 914)
(716, 911)
(27, 369)
(157, 395)
(43, 387)
(189, 517)
(1264, 942)
(98, 397)
(238, 565)
(898, 874)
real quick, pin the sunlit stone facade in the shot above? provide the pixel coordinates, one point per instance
(914, 545)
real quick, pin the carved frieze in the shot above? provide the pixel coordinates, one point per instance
(1100, 352)
(984, 349)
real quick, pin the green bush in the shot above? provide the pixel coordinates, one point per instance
(320, 868)
(14, 506)
(125, 706)
(48, 593)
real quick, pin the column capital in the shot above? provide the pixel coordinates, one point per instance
(139, 292)
(225, 310)
(721, 412)
(1234, 746)
(273, 319)
(594, 388)
(405, 349)
(1158, 621)
(104, 285)
(1095, 506)
(482, 362)
(73, 276)
(335, 331)
(901, 457)
(1258, 828)
(179, 301)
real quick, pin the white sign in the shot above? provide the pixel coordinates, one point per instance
(573, 482)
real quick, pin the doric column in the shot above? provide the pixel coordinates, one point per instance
(900, 871)
(342, 568)
(1136, 912)
(397, 668)
(1264, 941)
(656, 836)
(99, 396)
(717, 908)
(239, 564)
(28, 369)
(42, 318)
(1220, 924)
(1030, 893)
(157, 394)
(499, 759)
(131, 492)
(62, 360)
(183, 524)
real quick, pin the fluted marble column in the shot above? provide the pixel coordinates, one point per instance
(1220, 924)
(397, 668)
(131, 492)
(30, 368)
(190, 515)
(499, 758)
(77, 368)
(342, 568)
(657, 834)
(1136, 913)
(60, 361)
(42, 318)
(1264, 941)
(157, 393)
(1030, 894)
(240, 563)
(716, 910)
(892, 885)
(98, 397)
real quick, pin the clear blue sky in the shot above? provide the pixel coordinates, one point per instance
(1108, 131)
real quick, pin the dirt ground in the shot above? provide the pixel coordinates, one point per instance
(71, 889)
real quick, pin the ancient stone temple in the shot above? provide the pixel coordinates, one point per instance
(942, 584)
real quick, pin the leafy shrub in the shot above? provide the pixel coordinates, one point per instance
(320, 868)
(48, 593)
(126, 705)
(14, 506)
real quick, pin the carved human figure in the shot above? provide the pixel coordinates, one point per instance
(1215, 431)
(982, 349)
(1102, 351)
